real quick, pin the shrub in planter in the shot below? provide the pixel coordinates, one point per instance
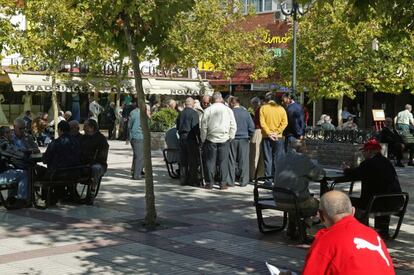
(163, 120)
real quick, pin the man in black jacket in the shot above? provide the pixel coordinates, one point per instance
(111, 118)
(378, 176)
(189, 131)
(94, 151)
(394, 142)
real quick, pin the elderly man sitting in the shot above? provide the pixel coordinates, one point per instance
(294, 170)
(9, 173)
(378, 176)
(94, 151)
(345, 246)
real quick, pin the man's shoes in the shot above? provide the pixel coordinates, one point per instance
(399, 164)
(268, 184)
(208, 186)
(223, 187)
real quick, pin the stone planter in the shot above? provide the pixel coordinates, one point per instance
(334, 154)
(158, 141)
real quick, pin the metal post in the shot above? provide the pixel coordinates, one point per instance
(295, 11)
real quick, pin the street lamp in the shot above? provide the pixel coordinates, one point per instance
(295, 10)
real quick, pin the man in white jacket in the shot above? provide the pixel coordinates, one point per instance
(218, 128)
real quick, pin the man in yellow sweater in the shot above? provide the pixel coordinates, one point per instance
(273, 120)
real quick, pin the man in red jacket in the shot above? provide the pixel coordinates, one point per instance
(346, 246)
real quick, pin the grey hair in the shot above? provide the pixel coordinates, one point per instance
(337, 203)
(408, 107)
(255, 100)
(189, 102)
(20, 122)
(217, 97)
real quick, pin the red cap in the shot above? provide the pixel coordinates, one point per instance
(371, 145)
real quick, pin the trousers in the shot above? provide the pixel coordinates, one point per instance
(256, 155)
(189, 162)
(216, 155)
(138, 158)
(239, 161)
(16, 175)
(271, 150)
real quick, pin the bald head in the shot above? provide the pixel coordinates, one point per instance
(335, 205)
(189, 102)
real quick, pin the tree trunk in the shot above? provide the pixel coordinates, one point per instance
(118, 94)
(151, 214)
(340, 107)
(55, 106)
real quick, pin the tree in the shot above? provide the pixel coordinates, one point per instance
(139, 28)
(54, 36)
(336, 58)
(214, 31)
(6, 26)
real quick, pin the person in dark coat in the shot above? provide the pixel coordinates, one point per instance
(240, 147)
(63, 151)
(393, 140)
(189, 131)
(94, 151)
(378, 176)
(296, 119)
(111, 118)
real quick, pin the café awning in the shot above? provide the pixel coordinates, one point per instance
(181, 87)
(32, 82)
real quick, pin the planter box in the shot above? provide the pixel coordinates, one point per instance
(334, 154)
(158, 141)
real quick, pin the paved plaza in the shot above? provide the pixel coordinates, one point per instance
(201, 232)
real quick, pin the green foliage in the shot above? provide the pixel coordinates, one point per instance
(55, 33)
(163, 120)
(336, 58)
(213, 31)
(7, 29)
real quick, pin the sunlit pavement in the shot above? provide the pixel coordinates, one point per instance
(201, 232)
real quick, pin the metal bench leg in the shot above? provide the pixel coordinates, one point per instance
(397, 229)
(267, 228)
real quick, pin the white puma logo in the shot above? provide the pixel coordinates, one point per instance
(361, 243)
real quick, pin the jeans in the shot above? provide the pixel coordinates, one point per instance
(16, 175)
(271, 151)
(138, 158)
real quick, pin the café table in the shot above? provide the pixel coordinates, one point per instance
(332, 178)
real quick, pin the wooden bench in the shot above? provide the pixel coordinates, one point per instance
(76, 179)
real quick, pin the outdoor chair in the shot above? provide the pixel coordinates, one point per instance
(75, 179)
(6, 186)
(388, 205)
(268, 202)
(172, 158)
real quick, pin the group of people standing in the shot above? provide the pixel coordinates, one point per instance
(236, 144)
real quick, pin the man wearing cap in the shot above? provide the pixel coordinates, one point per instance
(378, 176)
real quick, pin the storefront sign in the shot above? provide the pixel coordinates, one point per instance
(186, 92)
(59, 88)
(268, 39)
(205, 66)
(278, 52)
(155, 70)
